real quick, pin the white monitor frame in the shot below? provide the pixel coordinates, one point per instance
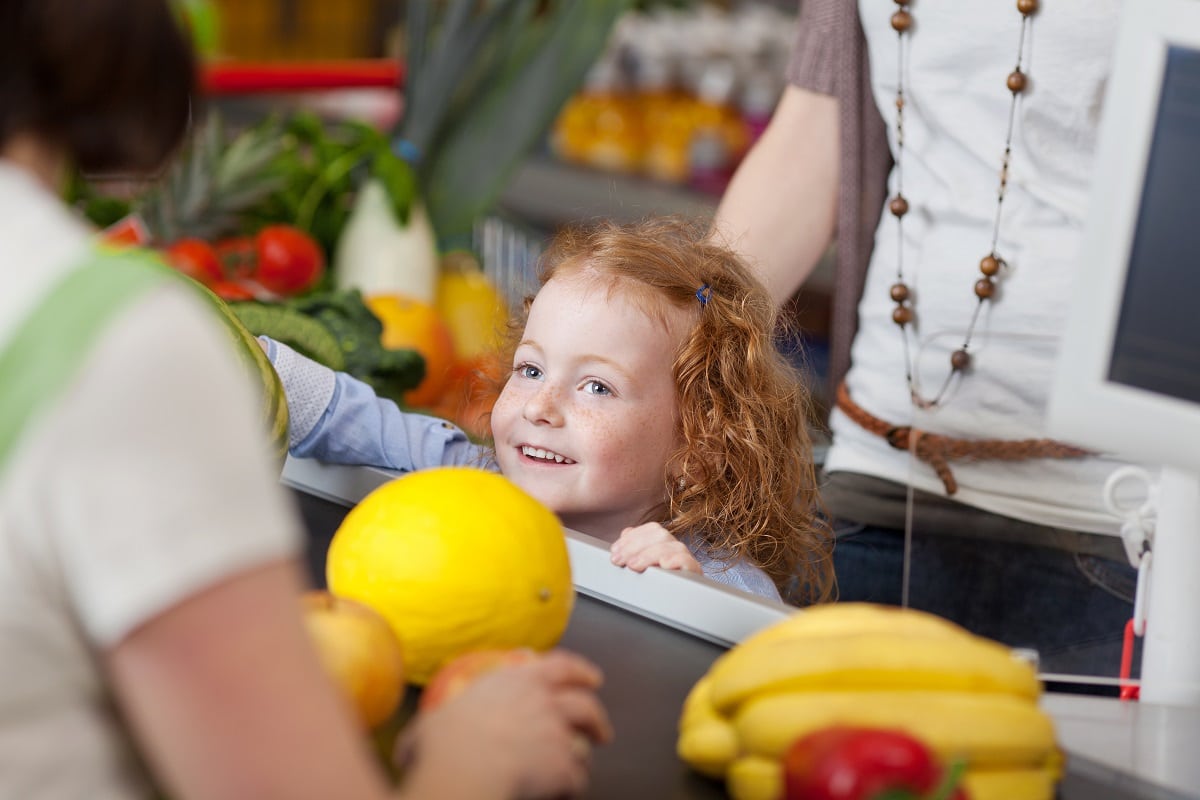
(1089, 409)
(1083, 403)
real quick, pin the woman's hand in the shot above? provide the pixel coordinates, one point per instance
(652, 545)
(522, 731)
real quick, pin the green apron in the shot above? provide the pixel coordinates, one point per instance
(53, 342)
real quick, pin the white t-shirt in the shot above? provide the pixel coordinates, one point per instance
(147, 480)
(955, 120)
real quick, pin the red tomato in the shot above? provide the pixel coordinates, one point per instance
(196, 259)
(237, 256)
(128, 231)
(845, 763)
(289, 260)
(233, 290)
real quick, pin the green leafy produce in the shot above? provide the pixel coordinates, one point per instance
(484, 83)
(294, 169)
(102, 209)
(298, 331)
(214, 182)
(390, 372)
(320, 168)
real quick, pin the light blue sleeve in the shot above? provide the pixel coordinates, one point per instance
(739, 574)
(339, 419)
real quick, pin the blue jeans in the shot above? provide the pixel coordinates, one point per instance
(1070, 607)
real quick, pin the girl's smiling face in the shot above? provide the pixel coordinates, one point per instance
(588, 417)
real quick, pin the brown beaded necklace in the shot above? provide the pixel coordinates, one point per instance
(991, 265)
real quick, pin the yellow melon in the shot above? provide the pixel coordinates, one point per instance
(456, 559)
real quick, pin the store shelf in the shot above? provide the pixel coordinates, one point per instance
(547, 193)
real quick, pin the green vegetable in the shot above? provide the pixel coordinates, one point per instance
(390, 372)
(299, 331)
(320, 168)
(102, 209)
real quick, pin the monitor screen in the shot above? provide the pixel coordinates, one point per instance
(1127, 379)
(1156, 344)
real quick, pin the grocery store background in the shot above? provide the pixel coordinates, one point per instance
(658, 124)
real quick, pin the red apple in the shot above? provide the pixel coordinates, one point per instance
(849, 763)
(458, 673)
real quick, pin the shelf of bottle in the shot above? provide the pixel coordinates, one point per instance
(546, 193)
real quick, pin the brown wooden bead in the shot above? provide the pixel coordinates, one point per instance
(984, 288)
(902, 315)
(902, 21)
(960, 360)
(898, 205)
(899, 103)
(1016, 81)
(903, 2)
(899, 292)
(1026, 7)
(990, 265)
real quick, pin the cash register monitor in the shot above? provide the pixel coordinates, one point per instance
(1128, 379)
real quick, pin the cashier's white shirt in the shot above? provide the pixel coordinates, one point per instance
(146, 481)
(955, 121)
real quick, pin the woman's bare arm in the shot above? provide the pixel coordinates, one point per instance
(780, 209)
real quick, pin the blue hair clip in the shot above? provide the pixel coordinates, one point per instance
(703, 293)
(406, 150)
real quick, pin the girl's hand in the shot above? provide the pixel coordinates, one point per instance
(652, 545)
(523, 731)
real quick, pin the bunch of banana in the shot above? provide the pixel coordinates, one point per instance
(968, 698)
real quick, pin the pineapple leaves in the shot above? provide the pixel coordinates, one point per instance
(296, 169)
(440, 80)
(486, 87)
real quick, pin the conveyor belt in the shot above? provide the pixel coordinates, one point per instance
(649, 667)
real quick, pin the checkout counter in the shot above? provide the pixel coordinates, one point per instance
(656, 633)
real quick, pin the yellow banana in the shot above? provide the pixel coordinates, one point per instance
(755, 778)
(698, 703)
(985, 730)
(1010, 784)
(872, 666)
(707, 740)
(839, 618)
(879, 660)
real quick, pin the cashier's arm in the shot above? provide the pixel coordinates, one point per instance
(780, 209)
(227, 698)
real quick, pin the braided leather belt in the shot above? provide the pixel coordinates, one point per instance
(937, 450)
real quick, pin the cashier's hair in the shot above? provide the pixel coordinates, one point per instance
(110, 82)
(743, 478)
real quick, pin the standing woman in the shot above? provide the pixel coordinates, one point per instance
(948, 147)
(150, 635)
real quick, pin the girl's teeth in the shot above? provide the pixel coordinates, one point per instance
(545, 455)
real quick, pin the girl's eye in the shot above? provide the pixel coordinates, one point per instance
(596, 387)
(528, 371)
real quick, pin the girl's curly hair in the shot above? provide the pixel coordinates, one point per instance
(742, 479)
